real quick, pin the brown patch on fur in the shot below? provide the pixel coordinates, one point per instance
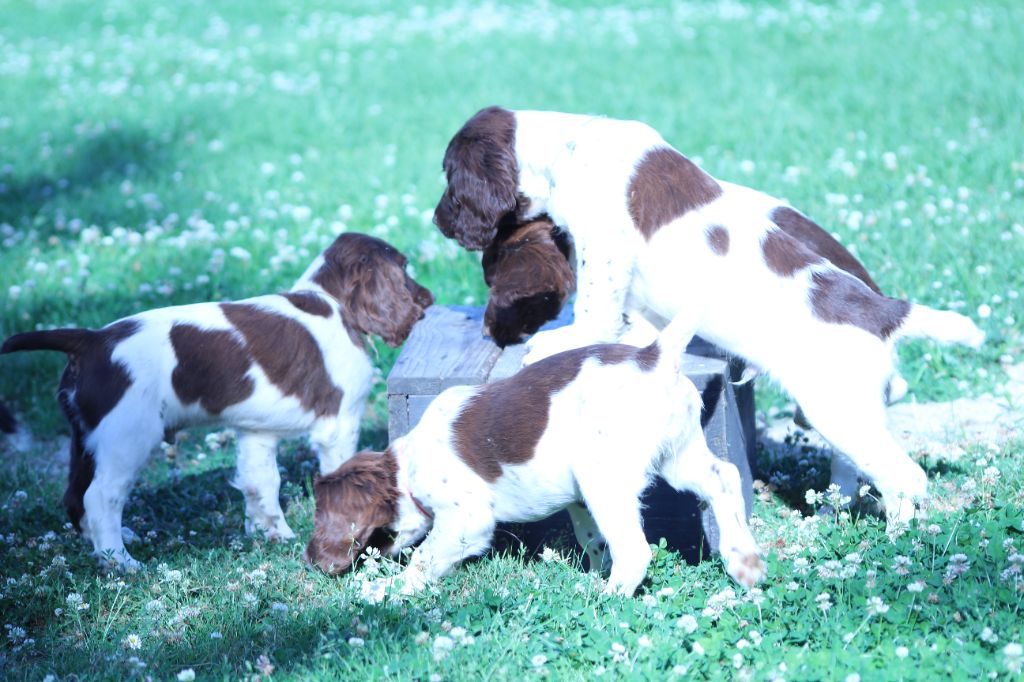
(505, 420)
(288, 354)
(309, 303)
(530, 279)
(812, 236)
(647, 358)
(212, 367)
(352, 502)
(664, 186)
(840, 299)
(718, 239)
(367, 276)
(483, 179)
(785, 255)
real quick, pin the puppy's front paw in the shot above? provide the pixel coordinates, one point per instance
(746, 568)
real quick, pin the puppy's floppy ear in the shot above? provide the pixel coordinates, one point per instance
(382, 302)
(483, 179)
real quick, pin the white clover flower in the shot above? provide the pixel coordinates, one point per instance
(916, 586)
(698, 649)
(356, 642)
(73, 599)
(687, 623)
(649, 600)
(984, 311)
(876, 606)
(665, 592)
(987, 635)
(824, 601)
(813, 498)
(187, 675)
(422, 637)
(538, 660)
(644, 641)
(901, 564)
(902, 652)
(864, 490)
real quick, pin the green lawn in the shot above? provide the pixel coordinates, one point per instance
(161, 153)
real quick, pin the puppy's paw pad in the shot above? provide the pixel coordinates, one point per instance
(747, 569)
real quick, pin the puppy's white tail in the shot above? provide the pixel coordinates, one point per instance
(940, 325)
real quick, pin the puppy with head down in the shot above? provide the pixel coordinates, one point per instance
(271, 366)
(529, 275)
(585, 430)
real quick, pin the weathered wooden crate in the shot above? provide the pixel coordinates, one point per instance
(447, 348)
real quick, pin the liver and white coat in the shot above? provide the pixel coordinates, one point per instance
(269, 366)
(586, 429)
(655, 233)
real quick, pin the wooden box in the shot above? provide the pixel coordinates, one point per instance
(447, 348)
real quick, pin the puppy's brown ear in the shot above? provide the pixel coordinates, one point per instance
(352, 503)
(483, 179)
(385, 302)
(367, 276)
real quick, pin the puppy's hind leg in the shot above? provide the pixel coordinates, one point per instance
(260, 482)
(118, 458)
(853, 421)
(693, 467)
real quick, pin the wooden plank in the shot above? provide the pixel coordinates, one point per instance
(446, 348)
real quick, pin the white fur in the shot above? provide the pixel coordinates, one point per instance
(578, 168)
(609, 432)
(122, 441)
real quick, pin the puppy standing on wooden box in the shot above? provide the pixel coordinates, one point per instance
(655, 233)
(590, 426)
(270, 366)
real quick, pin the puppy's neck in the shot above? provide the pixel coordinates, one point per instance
(413, 512)
(544, 140)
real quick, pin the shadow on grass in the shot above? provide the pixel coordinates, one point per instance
(80, 183)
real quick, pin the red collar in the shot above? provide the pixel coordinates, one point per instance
(419, 505)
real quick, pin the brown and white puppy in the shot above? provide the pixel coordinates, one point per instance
(270, 366)
(654, 233)
(584, 430)
(529, 274)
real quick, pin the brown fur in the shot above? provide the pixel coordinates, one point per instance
(288, 354)
(212, 367)
(530, 279)
(839, 299)
(352, 502)
(817, 240)
(664, 186)
(309, 303)
(367, 276)
(718, 239)
(483, 179)
(503, 423)
(785, 255)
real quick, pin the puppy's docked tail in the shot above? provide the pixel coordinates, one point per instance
(70, 341)
(672, 341)
(942, 326)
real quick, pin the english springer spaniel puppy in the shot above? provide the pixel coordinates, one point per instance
(269, 366)
(653, 232)
(586, 430)
(528, 272)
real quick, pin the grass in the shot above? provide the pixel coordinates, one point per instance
(154, 154)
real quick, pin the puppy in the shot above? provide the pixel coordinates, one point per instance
(586, 430)
(653, 232)
(529, 274)
(270, 366)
